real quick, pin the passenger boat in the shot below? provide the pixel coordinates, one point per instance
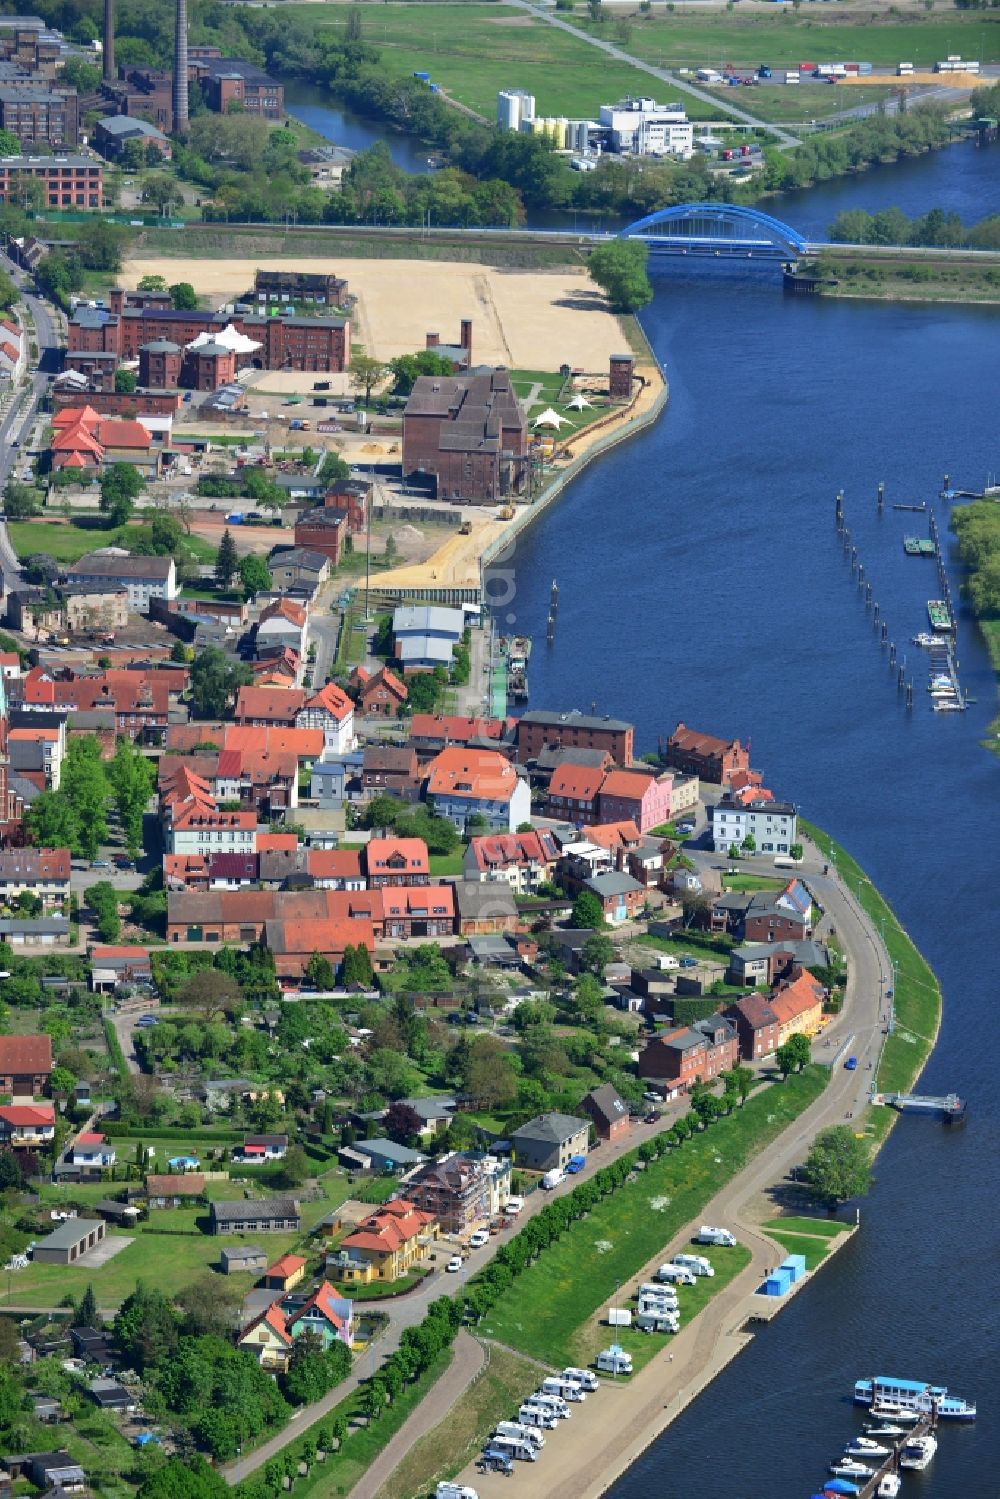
(919, 546)
(889, 1486)
(939, 615)
(947, 705)
(846, 1467)
(928, 640)
(866, 1447)
(903, 1399)
(918, 1451)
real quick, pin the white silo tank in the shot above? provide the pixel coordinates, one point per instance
(508, 110)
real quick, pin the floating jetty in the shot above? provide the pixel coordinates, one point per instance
(947, 1106)
(919, 546)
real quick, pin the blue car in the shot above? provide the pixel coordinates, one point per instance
(851, 1064)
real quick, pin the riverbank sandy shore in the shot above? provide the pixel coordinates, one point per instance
(532, 320)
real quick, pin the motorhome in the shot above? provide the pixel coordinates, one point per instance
(696, 1263)
(538, 1415)
(658, 1321)
(720, 1236)
(675, 1275)
(566, 1389)
(520, 1433)
(614, 1361)
(455, 1491)
(553, 1403)
(585, 1377)
(515, 1447)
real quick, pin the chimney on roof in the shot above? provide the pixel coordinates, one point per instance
(180, 89)
(109, 39)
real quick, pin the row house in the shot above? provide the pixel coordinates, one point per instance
(265, 782)
(302, 868)
(580, 862)
(331, 711)
(418, 911)
(691, 1054)
(573, 792)
(141, 702)
(282, 624)
(44, 872)
(481, 784)
(523, 860)
(430, 733)
(757, 1027)
(396, 861)
(643, 798)
(267, 707)
(391, 770)
(231, 871)
(706, 756)
(292, 943)
(240, 916)
(196, 831)
(798, 1004)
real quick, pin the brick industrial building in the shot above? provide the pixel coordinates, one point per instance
(314, 287)
(230, 80)
(39, 117)
(69, 181)
(468, 434)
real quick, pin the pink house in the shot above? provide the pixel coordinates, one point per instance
(630, 796)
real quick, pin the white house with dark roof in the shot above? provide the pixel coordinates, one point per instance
(550, 1141)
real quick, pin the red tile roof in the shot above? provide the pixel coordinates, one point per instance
(275, 704)
(579, 782)
(627, 784)
(25, 1054)
(612, 835)
(287, 1266)
(419, 900)
(333, 700)
(454, 729)
(504, 850)
(482, 775)
(31, 1113)
(396, 856)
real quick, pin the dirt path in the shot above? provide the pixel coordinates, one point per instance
(469, 1358)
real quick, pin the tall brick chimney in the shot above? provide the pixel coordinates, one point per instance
(466, 338)
(180, 90)
(109, 38)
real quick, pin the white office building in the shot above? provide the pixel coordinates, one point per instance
(641, 127)
(515, 109)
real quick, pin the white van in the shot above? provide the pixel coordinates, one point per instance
(614, 1361)
(552, 1179)
(720, 1236)
(516, 1447)
(564, 1388)
(514, 1206)
(657, 1291)
(585, 1377)
(619, 1317)
(654, 1321)
(675, 1275)
(554, 1403)
(538, 1415)
(696, 1263)
(455, 1491)
(520, 1433)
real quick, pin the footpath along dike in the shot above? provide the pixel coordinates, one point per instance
(621, 1420)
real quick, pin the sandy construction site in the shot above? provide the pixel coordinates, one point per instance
(536, 320)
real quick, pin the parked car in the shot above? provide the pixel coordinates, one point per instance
(650, 1096)
(689, 962)
(100, 864)
(479, 1238)
(146, 1022)
(685, 828)
(851, 1064)
(653, 1117)
(454, 1264)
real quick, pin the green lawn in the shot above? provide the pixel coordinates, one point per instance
(474, 53)
(747, 882)
(782, 37)
(917, 992)
(817, 1228)
(809, 101)
(68, 542)
(814, 1249)
(168, 1261)
(541, 389)
(494, 1397)
(447, 864)
(551, 1306)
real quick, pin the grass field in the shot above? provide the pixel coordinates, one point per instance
(67, 542)
(491, 47)
(447, 864)
(791, 106)
(548, 1312)
(698, 40)
(494, 1397)
(815, 1250)
(917, 992)
(749, 882)
(168, 1261)
(817, 1228)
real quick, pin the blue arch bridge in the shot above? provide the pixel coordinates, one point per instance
(719, 229)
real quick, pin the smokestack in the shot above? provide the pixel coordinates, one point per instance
(109, 39)
(180, 91)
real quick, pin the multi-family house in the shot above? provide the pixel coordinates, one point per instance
(757, 1026)
(464, 784)
(193, 830)
(690, 1054)
(706, 756)
(142, 578)
(523, 860)
(541, 727)
(573, 792)
(798, 1004)
(332, 711)
(548, 1142)
(396, 861)
(267, 707)
(430, 733)
(391, 770)
(636, 796)
(44, 872)
(455, 1191)
(772, 825)
(418, 911)
(384, 1246)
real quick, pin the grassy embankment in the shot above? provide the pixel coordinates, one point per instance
(923, 279)
(813, 1237)
(549, 1312)
(917, 992)
(252, 241)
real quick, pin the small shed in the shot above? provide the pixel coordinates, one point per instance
(243, 1257)
(111, 1396)
(777, 1283)
(795, 1264)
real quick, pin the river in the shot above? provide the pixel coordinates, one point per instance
(701, 579)
(324, 113)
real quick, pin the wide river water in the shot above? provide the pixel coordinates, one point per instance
(701, 579)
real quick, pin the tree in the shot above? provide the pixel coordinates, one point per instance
(489, 1075)
(226, 560)
(619, 268)
(255, 575)
(209, 1306)
(215, 680)
(21, 501)
(319, 972)
(165, 535)
(402, 1123)
(587, 912)
(785, 1058)
(597, 952)
(295, 1168)
(741, 1078)
(153, 283)
(8, 288)
(838, 1165)
(126, 382)
(132, 778)
(696, 907)
(102, 899)
(62, 1081)
(183, 296)
(357, 970)
(800, 1050)
(407, 368)
(187, 1477)
(796, 851)
(10, 144)
(366, 372)
(163, 192)
(145, 1328)
(86, 1311)
(749, 844)
(211, 992)
(120, 486)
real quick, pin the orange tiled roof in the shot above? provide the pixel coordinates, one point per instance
(478, 774)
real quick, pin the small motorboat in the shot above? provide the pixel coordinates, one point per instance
(846, 1467)
(866, 1447)
(889, 1486)
(929, 641)
(918, 1451)
(896, 1413)
(886, 1431)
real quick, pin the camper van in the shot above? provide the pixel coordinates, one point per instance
(520, 1433)
(585, 1377)
(614, 1361)
(696, 1263)
(658, 1292)
(538, 1415)
(515, 1447)
(566, 1389)
(514, 1206)
(675, 1275)
(720, 1236)
(495, 1461)
(658, 1321)
(554, 1403)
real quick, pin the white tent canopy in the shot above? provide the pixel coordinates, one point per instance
(549, 418)
(579, 403)
(230, 338)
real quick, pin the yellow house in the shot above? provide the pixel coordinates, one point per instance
(384, 1246)
(799, 1007)
(268, 1339)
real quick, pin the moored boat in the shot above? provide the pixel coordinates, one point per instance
(889, 1486)
(939, 615)
(918, 1451)
(846, 1467)
(902, 1398)
(866, 1447)
(883, 1430)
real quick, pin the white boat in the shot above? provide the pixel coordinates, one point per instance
(879, 1430)
(950, 705)
(846, 1467)
(918, 1451)
(896, 1413)
(889, 1486)
(865, 1447)
(929, 641)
